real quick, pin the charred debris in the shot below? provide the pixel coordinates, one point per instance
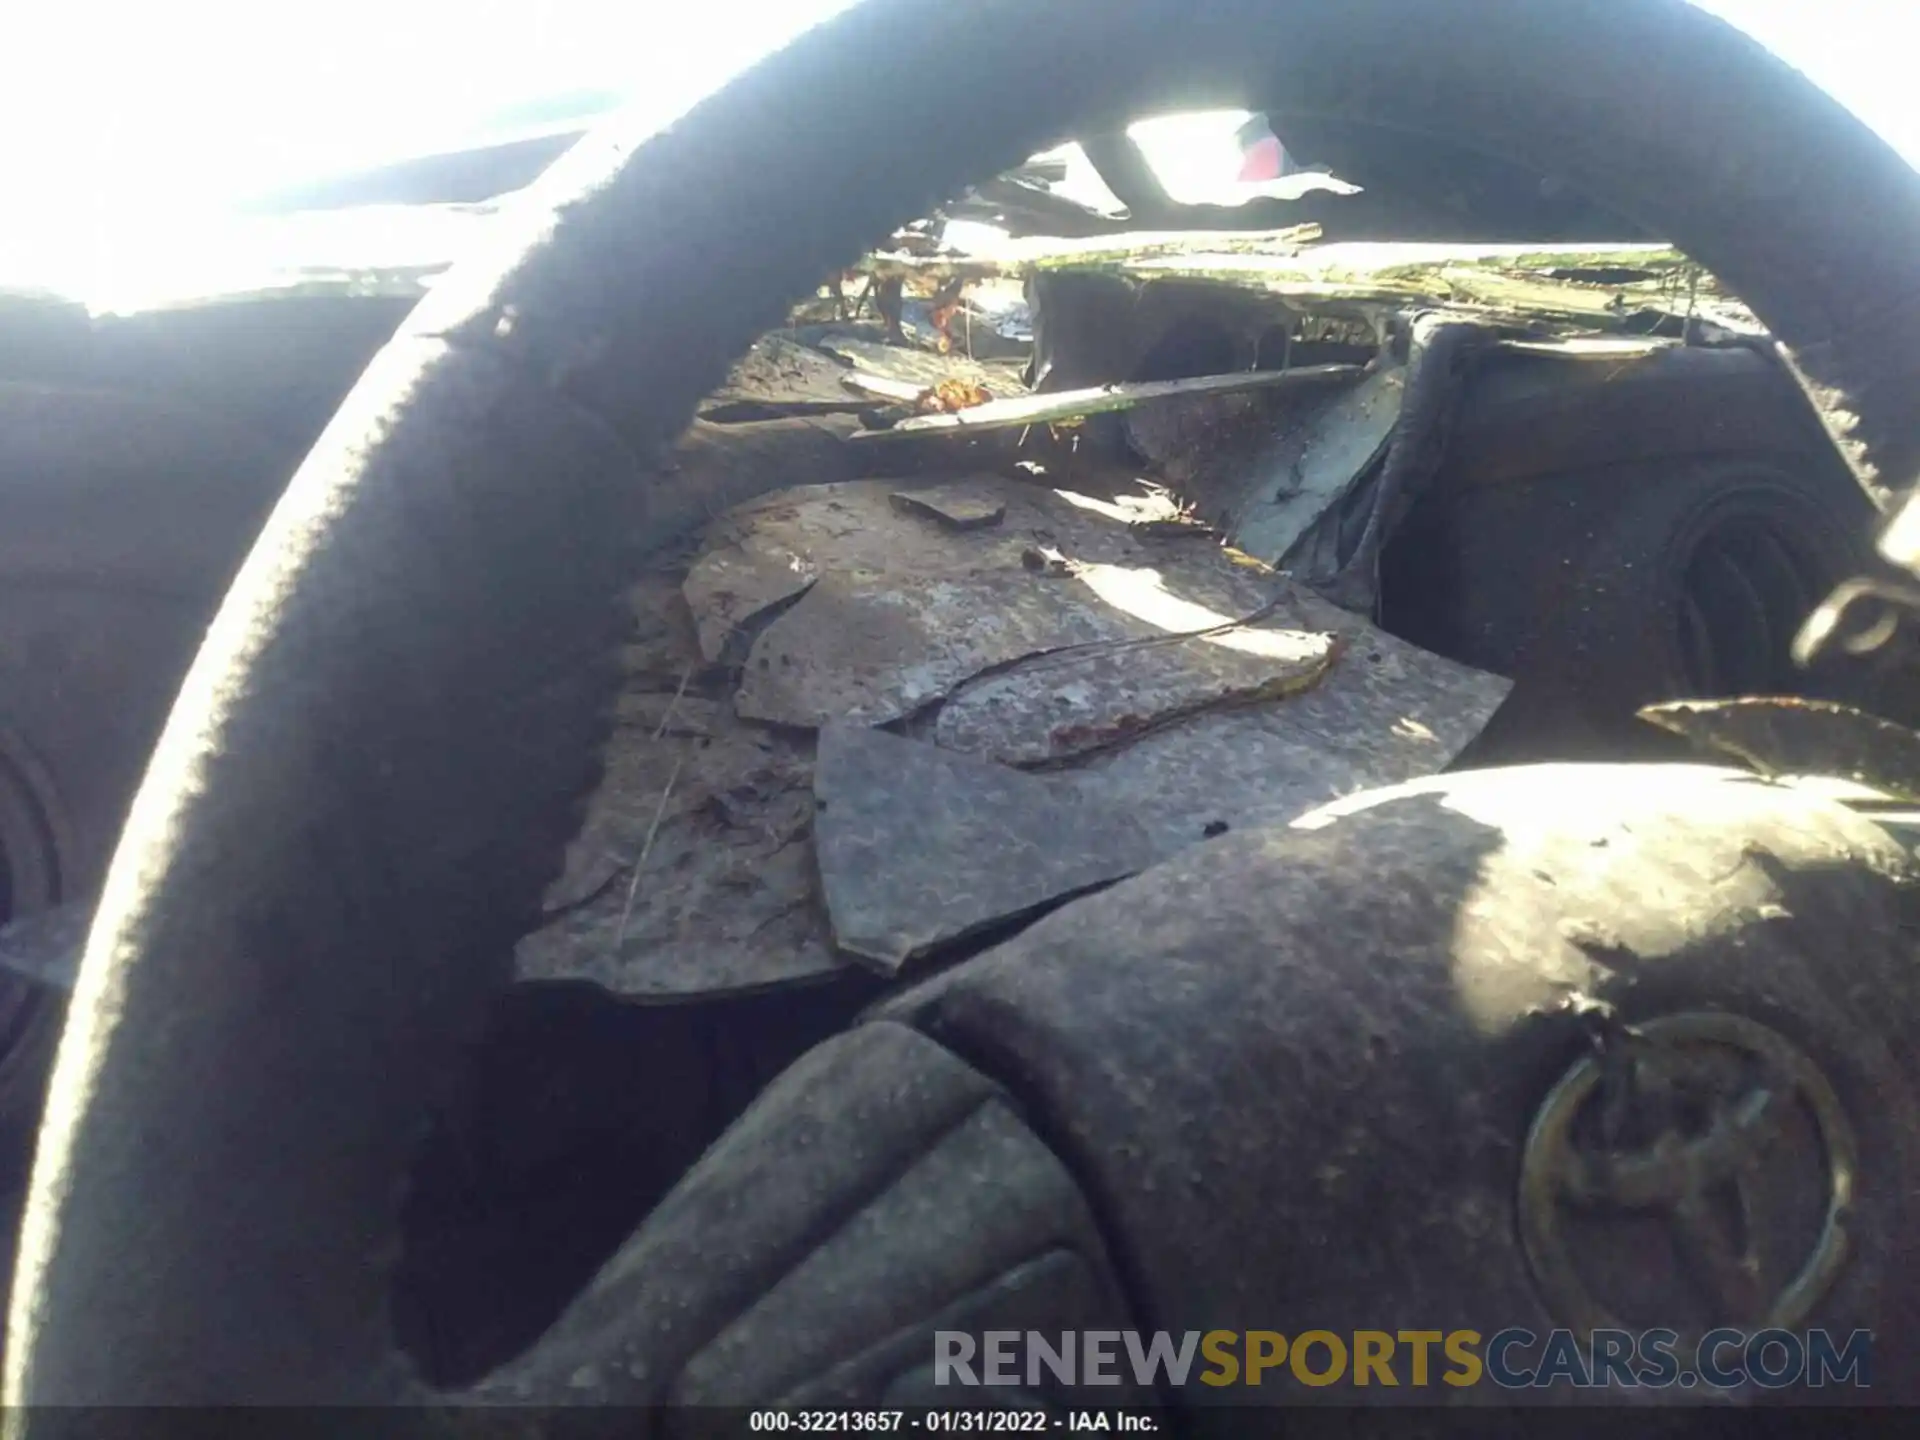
(1030, 564)
(1092, 528)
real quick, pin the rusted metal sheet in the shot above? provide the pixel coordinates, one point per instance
(1785, 735)
(714, 467)
(1101, 399)
(1304, 474)
(694, 876)
(1386, 712)
(701, 865)
(920, 848)
(693, 873)
(736, 581)
(1204, 446)
(874, 649)
(905, 611)
(1068, 703)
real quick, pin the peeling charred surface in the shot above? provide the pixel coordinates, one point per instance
(907, 613)
(1786, 736)
(380, 753)
(692, 874)
(921, 848)
(1154, 676)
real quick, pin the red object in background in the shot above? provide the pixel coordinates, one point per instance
(1262, 156)
(1263, 160)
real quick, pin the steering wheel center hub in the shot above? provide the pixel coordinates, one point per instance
(1699, 1164)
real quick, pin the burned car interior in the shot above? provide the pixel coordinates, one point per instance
(790, 793)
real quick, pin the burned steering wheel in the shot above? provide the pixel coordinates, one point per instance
(368, 779)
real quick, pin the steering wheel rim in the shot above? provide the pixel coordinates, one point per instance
(387, 738)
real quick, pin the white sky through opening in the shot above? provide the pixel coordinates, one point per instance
(124, 126)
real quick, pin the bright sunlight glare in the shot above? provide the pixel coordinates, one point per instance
(127, 132)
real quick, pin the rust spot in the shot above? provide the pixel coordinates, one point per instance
(950, 396)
